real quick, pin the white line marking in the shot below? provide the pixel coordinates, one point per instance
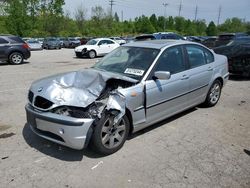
(101, 162)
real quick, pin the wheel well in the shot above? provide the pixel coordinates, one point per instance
(129, 115)
(220, 80)
(93, 51)
(14, 52)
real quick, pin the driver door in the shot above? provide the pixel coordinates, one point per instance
(166, 97)
(103, 47)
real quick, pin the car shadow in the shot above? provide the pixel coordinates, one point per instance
(67, 154)
(238, 78)
(163, 122)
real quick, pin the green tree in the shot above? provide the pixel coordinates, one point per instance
(80, 17)
(116, 17)
(17, 19)
(211, 29)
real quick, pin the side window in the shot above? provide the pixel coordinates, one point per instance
(110, 42)
(171, 60)
(102, 42)
(196, 56)
(2, 41)
(209, 56)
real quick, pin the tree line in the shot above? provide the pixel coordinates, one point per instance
(41, 18)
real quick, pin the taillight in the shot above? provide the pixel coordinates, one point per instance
(25, 45)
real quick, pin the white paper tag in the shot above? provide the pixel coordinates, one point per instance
(136, 72)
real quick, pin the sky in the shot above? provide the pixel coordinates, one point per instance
(206, 9)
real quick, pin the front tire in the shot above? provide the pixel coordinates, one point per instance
(16, 58)
(213, 94)
(107, 137)
(92, 54)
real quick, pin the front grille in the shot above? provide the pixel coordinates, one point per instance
(43, 103)
(30, 96)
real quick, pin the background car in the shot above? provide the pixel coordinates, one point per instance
(13, 49)
(210, 42)
(34, 44)
(238, 54)
(144, 37)
(71, 42)
(225, 38)
(96, 47)
(168, 35)
(51, 43)
(118, 40)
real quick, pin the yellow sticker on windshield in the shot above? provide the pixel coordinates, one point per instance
(136, 72)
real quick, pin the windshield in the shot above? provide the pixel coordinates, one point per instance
(92, 42)
(132, 62)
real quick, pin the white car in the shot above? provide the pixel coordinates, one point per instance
(34, 44)
(96, 47)
(119, 40)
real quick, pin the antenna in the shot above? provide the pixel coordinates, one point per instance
(196, 12)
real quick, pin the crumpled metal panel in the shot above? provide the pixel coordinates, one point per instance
(79, 88)
(117, 101)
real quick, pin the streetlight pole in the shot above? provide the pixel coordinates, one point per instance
(165, 8)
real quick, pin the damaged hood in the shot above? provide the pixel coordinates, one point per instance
(79, 88)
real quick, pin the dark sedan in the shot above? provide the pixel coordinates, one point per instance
(51, 43)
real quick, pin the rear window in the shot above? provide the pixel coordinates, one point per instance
(16, 39)
(226, 37)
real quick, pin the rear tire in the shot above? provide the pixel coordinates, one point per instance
(15, 58)
(213, 94)
(107, 137)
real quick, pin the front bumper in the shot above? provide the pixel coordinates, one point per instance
(71, 132)
(81, 53)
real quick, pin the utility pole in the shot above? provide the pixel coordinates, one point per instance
(111, 3)
(219, 15)
(122, 15)
(165, 8)
(180, 7)
(196, 12)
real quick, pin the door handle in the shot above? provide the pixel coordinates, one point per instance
(210, 69)
(185, 77)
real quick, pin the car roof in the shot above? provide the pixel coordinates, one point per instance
(157, 44)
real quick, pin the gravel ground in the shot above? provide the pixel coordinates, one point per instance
(202, 147)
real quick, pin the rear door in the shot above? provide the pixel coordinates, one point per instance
(200, 72)
(166, 97)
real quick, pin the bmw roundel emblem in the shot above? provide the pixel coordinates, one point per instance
(40, 89)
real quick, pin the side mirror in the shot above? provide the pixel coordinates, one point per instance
(162, 75)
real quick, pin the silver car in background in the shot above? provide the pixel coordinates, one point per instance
(133, 87)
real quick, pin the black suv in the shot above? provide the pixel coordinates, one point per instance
(13, 49)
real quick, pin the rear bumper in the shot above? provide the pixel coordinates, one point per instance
(71, 132)
(26, 54)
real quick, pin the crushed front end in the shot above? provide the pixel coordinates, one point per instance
(64, 108)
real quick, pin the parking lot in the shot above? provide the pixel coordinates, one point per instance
(202, 147)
